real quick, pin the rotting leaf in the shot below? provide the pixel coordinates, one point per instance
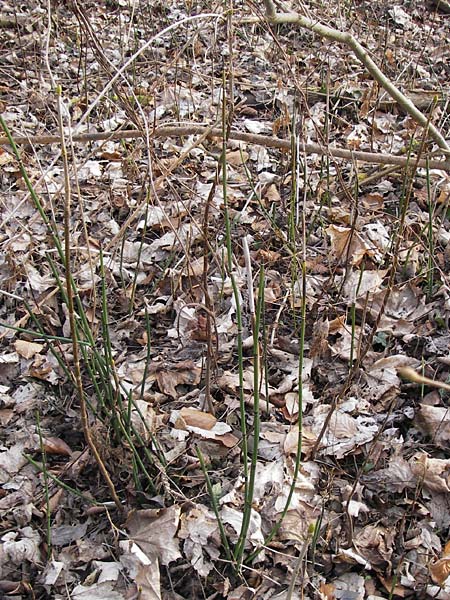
(170, 375)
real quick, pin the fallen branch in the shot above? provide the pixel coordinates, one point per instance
(250, 138)
(424, 100)
(360, 52)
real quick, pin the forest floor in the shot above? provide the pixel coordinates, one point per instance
(262, 328)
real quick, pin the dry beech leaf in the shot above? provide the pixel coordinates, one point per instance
(390, 56)
(319, 342)
(363, 283)
(440, 570)
(291, 442)
(170, 375)
(327, 591)
(54, 501)
(227, 439)
(54, 445)
(194, 267)
(27, 349)
(268, 256)
(337, 324)
(198, 530)
(373, 201)
(114, 156)
(270, 297)
(143, 570)
(347, 243)
(375, 544)
(236, 157)
(272, 194)
(341, 215)
(42, 368)
(191, 417)
(204, 425)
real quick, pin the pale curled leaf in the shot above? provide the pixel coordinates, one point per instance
(19, 546)
(440, 570)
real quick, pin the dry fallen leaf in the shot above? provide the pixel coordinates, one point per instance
(432, 473)
(194, 418)
(154, 531)
(376, 544)
(237, 157)
(169, 376)
(434, 421)
(440, 570)
(142, 569)
(198, 530)
(348, 243)
(27, 349)
(57, 446)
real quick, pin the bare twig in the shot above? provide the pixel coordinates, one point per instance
(251, 138)
(411, 375)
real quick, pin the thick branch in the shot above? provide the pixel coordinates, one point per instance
(360, 52)
(250, 138)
